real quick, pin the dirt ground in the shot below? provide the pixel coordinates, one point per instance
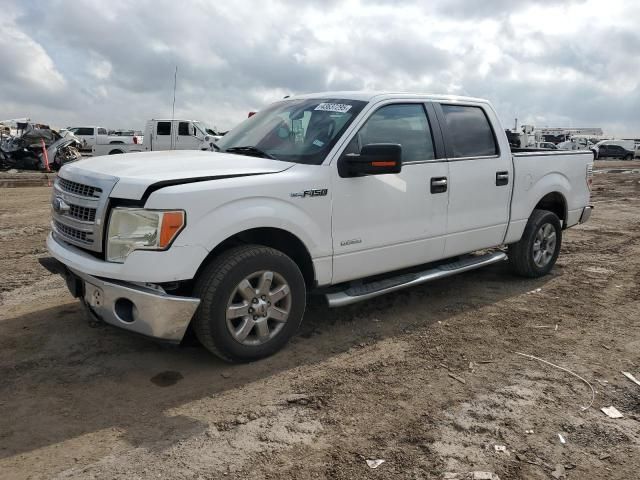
(426, 379)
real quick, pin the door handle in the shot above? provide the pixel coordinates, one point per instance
(502, 178)
(438, 184)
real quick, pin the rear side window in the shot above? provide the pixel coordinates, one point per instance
(469, 131)
(164, 128)
(102, 131)
(405, 124)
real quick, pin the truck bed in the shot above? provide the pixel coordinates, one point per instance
(534, 171)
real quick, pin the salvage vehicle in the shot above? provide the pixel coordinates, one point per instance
(24, 150)
(348, 195)
(165, 135)
(92, 136)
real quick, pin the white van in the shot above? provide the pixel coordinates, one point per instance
(165, 135)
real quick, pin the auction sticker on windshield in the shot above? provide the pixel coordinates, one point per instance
(333, 107)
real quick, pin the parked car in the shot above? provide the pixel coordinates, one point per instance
(349, 195)
(165, 135)
(614, 151)
(92, 136)
(548, 145)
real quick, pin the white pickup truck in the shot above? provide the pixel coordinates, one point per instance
(92, 136)
(164, 135)
(351, 195)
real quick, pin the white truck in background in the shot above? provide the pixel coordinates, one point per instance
(162, 134)
(347, 194)
(92, 136)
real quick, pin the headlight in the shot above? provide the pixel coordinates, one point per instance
(139, 229)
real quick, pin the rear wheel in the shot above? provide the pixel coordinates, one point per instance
(252, 299)
(537, 251)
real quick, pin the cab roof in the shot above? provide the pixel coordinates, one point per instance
(368, 96)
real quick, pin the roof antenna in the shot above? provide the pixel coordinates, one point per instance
(173, 108)
(175, 81)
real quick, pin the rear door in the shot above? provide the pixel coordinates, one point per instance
(480, 177)
(387, 222)
(162, 136)
(102, 136)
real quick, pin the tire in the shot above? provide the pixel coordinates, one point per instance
(219, 287)
(525, 257)
(115, 152)
(628, 157)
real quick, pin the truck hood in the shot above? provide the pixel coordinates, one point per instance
(136, 172)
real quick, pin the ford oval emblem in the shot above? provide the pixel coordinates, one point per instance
(59, 205)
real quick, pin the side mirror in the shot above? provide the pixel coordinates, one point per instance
(373, 159)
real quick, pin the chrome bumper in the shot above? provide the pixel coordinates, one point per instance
(143, 310)
(586, 214)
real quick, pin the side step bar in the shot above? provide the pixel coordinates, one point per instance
(373, 289)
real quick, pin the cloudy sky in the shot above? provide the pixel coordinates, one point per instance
(547, 62)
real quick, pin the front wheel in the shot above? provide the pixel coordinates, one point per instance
(252, 299)
(629, 157)
(537, 251)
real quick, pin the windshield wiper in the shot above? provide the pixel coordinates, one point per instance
(251, 151)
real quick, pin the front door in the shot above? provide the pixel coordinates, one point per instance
(387, 222)
(480, 178)
(187, 137)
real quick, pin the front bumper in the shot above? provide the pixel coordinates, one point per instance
(586, 214)
(144, 310)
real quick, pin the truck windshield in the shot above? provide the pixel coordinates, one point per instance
(300, 131)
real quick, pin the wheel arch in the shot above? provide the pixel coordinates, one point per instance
(273, 237)
(554, 202)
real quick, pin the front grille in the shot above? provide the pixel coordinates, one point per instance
(79, 188)
(84, 214)
(80, 205)
(72, 233)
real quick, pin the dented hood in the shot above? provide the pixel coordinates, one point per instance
(138, 171)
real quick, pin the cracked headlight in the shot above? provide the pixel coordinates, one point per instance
(139, 229)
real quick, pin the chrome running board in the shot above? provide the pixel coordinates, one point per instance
(380, 287)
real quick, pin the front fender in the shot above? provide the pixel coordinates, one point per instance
(244, 214)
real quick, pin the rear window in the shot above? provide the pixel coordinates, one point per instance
(469, 131)
(164, 128)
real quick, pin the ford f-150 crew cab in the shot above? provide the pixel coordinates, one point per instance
(350, 195)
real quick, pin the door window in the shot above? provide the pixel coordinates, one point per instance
(163, 128)
(85, 131)
(183, 129)
(469, 131)
(405, 124)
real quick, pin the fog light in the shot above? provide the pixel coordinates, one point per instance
(124, 310)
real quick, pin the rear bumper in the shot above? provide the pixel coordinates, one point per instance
(586, 214)
(147, 311)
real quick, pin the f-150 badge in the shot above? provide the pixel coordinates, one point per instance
(318, 192)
